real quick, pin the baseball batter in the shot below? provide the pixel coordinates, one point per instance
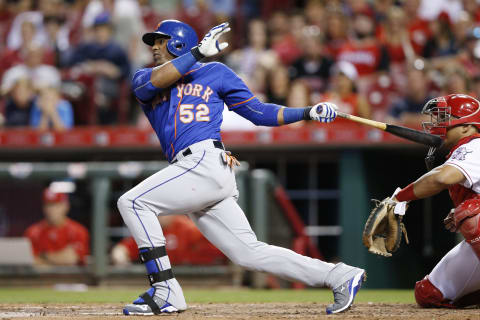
(183, 99)
(455, 280)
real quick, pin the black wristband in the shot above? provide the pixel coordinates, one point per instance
(306, 113)
(196, 53)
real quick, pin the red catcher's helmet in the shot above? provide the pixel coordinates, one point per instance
(450, 111)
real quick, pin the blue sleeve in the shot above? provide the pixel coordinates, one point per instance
(143, 89)
(241, 100)
(65, 112)
(260, 114)
(233, 90)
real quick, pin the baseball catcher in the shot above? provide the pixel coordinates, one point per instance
(455, 280)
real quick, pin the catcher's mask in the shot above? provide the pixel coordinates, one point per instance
(447, 112)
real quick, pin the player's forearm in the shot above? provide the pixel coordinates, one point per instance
(431, 183)
(428, 185)
(168, 73)
(165, 75)
(291, 115)
(271, 115)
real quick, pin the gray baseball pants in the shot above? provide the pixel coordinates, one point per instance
(203, 186)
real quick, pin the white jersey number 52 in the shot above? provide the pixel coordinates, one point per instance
(188, 113)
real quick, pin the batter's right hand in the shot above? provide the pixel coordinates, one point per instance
(323, 112)
(210, 46)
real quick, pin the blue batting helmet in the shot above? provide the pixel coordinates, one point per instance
(181, 36)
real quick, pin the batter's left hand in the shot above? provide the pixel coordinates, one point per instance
(324, 112)
(210, 46)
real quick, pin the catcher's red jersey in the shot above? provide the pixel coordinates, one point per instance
(46, 238)
(465, 156)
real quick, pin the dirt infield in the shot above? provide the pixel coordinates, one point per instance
(264, 311)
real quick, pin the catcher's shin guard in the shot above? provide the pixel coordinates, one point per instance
(467, 221)
(428, 296)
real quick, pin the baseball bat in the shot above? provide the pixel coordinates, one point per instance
(406, 133)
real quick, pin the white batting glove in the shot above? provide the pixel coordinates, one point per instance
(400, 207)
(323, 112)
(209, 46)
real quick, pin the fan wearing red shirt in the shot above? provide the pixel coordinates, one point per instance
(58, 240)
(362, 49)
(185, 244)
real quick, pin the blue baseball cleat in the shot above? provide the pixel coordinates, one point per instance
(344, 294)
(148, 305)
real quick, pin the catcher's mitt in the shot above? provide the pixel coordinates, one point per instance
(383, 230)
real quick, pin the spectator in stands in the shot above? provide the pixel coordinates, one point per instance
(185, 245)
(344, 92)
(7, 14)
(443, 42)
(407, 109)
(282, 40)
(314, 12)
(32, 19)
(456, 80)
(18, 91)
(50, 111)
(46, 111)
(107, 63)
(364, 51)
(476, 86)
(58, 240)
(473, 9)
(299, 95)
(469, 56)
(57, 37)
(394, 35)
(12, 57)
(254, 62)
(460, 30)
(313, 66)
(381, 9)
(418, 28)
(335, 31)
(197, 13)
(127, 24)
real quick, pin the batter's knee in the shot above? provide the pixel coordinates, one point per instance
(123, 203)
(428, 296)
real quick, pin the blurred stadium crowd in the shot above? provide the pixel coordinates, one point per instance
(65, 63)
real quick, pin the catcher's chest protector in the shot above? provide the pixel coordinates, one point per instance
(459, 193)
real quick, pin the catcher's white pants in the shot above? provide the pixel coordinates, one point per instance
(202, 186)
(458, 273)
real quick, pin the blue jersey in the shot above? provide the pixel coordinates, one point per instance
(191, 110)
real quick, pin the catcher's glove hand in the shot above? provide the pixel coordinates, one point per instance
(383, 230)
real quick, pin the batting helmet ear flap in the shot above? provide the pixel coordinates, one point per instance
(182, 37)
